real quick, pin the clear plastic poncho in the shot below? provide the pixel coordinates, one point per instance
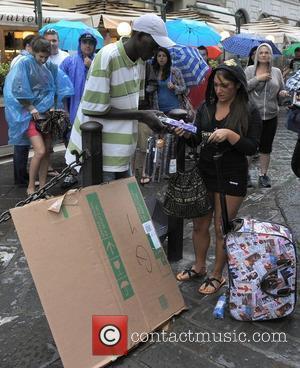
(41, 85)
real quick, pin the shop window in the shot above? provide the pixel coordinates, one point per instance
(14, 43)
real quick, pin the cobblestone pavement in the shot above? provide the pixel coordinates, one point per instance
(25, 337)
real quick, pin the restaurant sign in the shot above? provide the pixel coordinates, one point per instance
(15, 19)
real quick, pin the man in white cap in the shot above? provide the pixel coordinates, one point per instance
(114, 85)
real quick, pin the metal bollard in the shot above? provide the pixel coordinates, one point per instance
(175, 224)
(92, 168)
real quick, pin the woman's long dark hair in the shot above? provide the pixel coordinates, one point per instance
(252, 51)
(237, 119)
(167, 68)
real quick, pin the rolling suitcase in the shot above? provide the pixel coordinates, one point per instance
(261, 260)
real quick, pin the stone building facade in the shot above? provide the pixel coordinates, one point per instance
(248, 10)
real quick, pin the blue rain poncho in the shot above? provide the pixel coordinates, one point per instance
(36, 83)
(74, 67)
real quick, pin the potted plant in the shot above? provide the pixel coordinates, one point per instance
(4, 69)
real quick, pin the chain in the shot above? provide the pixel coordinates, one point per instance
(5, 216)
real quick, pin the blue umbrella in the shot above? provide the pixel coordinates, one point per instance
(192, 33)
(69, 33)
(190, 62)
(242, 43)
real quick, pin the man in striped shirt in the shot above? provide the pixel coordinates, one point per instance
(114, 85)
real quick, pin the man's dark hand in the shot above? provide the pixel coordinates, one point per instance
(150, 118)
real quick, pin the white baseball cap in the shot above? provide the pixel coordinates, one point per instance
(154, 26)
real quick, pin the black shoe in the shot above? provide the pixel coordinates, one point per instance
(264, 181)
(69, 181)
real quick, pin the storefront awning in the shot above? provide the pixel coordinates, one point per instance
(109, 15)
(21, 14)
(278, 32)
(111, 21)
(194, 15)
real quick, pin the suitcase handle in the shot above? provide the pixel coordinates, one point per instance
(270, 278)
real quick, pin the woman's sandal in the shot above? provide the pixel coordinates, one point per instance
(145, 180)
(212, 282)
(191, 274)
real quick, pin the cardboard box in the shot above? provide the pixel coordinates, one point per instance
(91, 252)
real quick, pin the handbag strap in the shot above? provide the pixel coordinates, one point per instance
(269, 279)
(226, 225)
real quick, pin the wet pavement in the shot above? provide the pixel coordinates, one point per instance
(26, 340)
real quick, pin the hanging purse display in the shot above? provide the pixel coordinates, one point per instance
(186, 195)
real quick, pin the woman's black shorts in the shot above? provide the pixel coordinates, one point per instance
(269, 128)
(234, 183)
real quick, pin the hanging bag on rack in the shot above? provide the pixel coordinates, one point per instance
(186, 195)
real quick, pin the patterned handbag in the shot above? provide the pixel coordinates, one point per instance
(262, 270)
(186, 195)
(55, 123)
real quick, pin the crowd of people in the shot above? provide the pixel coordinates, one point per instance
(238, 107)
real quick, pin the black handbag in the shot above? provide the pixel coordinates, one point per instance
(55, 123)
(186, 195)
(293, 120)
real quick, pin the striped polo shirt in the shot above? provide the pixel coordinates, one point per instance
(113, 81)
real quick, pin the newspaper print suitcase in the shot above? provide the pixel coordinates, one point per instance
(262, 267)
(262, 270)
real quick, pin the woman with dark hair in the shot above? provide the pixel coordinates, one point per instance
(235, 127)
(166, 86)
(32, 88)
(252, 55)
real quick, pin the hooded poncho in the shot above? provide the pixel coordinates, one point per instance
(74, 67)
(37, 84)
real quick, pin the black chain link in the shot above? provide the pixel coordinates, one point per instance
(41, 193)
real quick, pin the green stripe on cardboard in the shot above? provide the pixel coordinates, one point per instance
(110, 246)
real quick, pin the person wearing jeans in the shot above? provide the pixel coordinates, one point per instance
(20, 159)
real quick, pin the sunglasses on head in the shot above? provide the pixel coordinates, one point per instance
(50, 31)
